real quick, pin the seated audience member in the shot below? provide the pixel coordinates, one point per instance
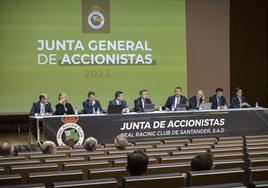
(203, 161)
(63, 107)
(92, 105)
(119, 100)
(121, 142)
(218, 100)
(137, 163)
(239, 101)
(25, 148)
(90, 144)
(195, 101)
(143, 99)
(5, 150)
(49, 147)
(175, 100)
(42, 107)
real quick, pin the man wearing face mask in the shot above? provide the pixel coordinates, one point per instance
(141, 101)
(42, 107)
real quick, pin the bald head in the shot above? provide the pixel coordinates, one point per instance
(90, 144)
(121, 142)
(49, 147)
(5, 149)
(200, 93)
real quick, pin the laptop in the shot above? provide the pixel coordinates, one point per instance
(205, 106)
(115, 109)
(148, 108)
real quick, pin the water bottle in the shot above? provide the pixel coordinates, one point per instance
(257, 105)
(76, 111)
(93, 110)
(98, 110)
(173, 108)
(160, 109)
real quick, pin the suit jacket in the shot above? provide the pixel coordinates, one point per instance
(36, 108)
(214, 101)
(235, 102)
(171, 101)
(193, 102)
(60, 110)
(88, 107)
(138, 104)
(123, 103)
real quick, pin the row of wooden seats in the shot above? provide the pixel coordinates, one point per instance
(192, 179)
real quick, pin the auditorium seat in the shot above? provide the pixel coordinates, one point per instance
(230, 138)
(168, 168)
(153, 143)
(226, 150)
(10, 179)
(176, 159)
(209, 177)
(42, 157)
(111, 172)
(180, 141)
(12, 158)
(86, 154)
(7, 164)
(54, 176)
(161, 149)
(28, 153)
(139, 147)
(109, 158)
(258, 154)
(169, 145)
(213, 139)
(200, 144)
(258, 173)
(254, 144)
(94, 183)
(60, 161)
(226, 156)
(36, 185)
(258, 161)
(226, 185)
(254, 137)
(84, 166)
(263, 184)
(173, 180)
(123, 162)
(116, 152)
(2, 170)
(187, 152)
(229, 145)
(24, 170)
(206, 147)
(257, 148)
(233, 163)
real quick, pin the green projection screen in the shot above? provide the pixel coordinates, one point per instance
(74, 46)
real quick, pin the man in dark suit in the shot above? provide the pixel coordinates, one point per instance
(175, 100)
(218, 101)
(119, 100)
(42, 107)
(239, 101)
(91, 105)
(141, 101)
(195, 101)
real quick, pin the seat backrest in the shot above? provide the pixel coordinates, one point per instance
(168, 168)
(172, 180)
(10, 179)
(258, 161)
(111, 172)
(260, 183)
(49, 177)
(209, 177)
(24, 170)
(123, 162)
(94, 183)
(258, 173)
(35, 185)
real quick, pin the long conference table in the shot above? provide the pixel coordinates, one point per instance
(74, 129)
